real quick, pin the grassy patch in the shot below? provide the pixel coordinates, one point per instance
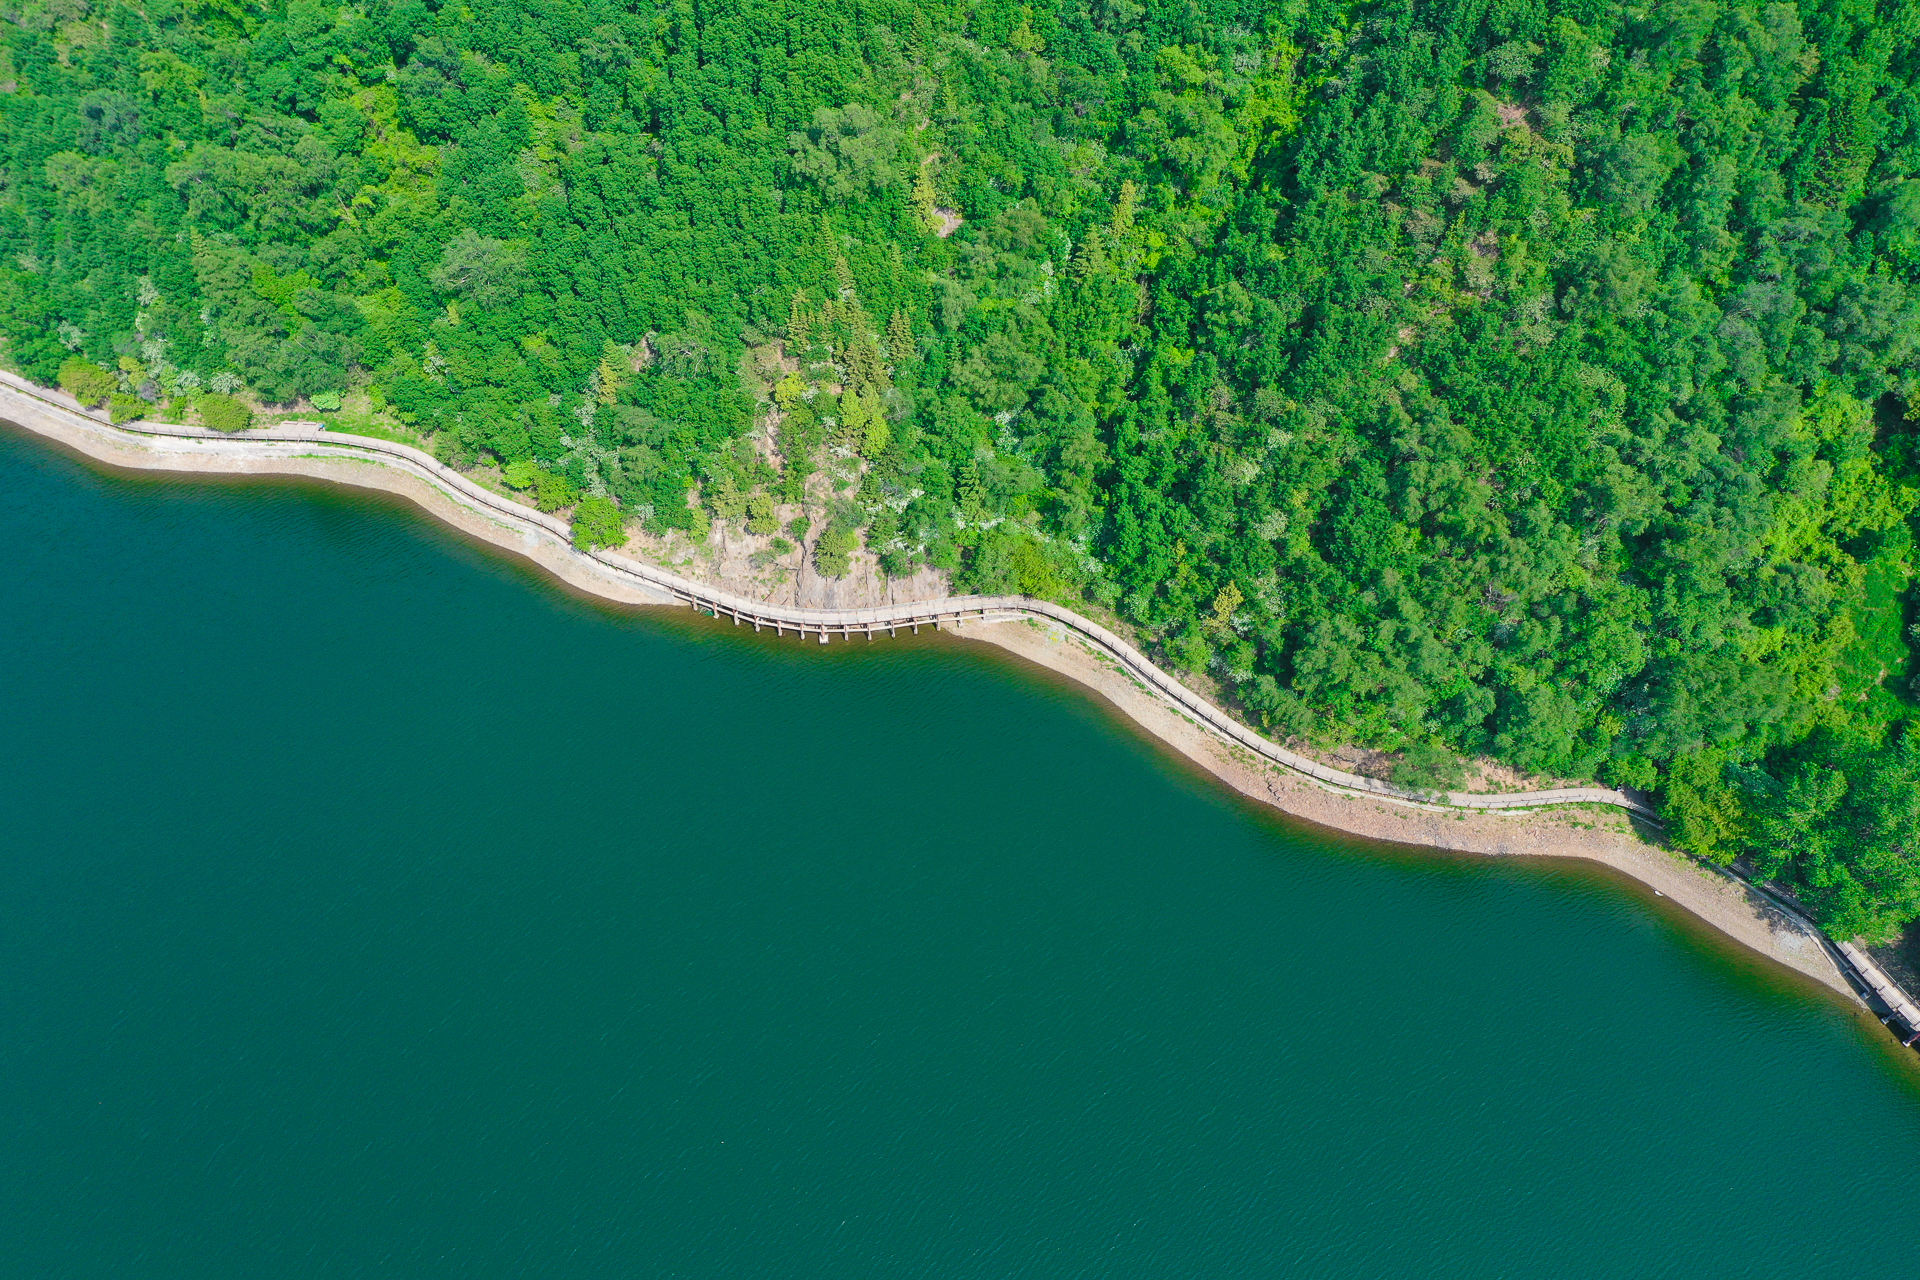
(366, 424)
(1877, 666)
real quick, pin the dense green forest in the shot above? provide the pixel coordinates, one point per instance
(1523, 378)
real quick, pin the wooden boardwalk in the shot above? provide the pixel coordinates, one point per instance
(308, 439)
(1888, 992)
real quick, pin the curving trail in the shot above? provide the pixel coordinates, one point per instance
(303, 448)
(32, 406)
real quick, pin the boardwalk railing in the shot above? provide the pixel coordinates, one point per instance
(309, 439)
(951, 611)
(1898, 1003)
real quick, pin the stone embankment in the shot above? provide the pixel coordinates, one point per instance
(549, 540)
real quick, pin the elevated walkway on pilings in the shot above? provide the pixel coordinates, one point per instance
(309, 439)
(952, 611)
(1885, 991)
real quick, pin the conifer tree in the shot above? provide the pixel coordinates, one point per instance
(900, 344)
(800, 320)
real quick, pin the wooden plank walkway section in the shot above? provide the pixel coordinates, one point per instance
(309, 439)
(1898, 1003)
(823, 624)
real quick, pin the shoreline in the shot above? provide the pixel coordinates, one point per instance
(1588, 824)
(1609, 837)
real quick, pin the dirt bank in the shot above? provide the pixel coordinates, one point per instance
(1594, 832)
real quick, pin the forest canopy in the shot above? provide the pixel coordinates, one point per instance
(1523, 378)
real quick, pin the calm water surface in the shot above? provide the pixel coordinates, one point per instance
(368, 907)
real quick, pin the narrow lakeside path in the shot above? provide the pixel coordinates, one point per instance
(304, 448)
(38, 408)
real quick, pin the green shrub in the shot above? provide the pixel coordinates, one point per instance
(325, 401)
(771, 556)
(1428, 766)
(125, 408)
(598, 523)
(552, 491)
(833, 554)
(1190, 652)
(1630, 771)
(1279, 709)
(1704, 814)
(760, 519)
(224, 413)
(87, 382)
(1008, 563)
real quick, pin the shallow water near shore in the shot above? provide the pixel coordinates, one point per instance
(369, 905)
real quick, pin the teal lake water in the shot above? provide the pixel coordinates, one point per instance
(371, 907)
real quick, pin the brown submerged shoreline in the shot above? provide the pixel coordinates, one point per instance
(1609, 836)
